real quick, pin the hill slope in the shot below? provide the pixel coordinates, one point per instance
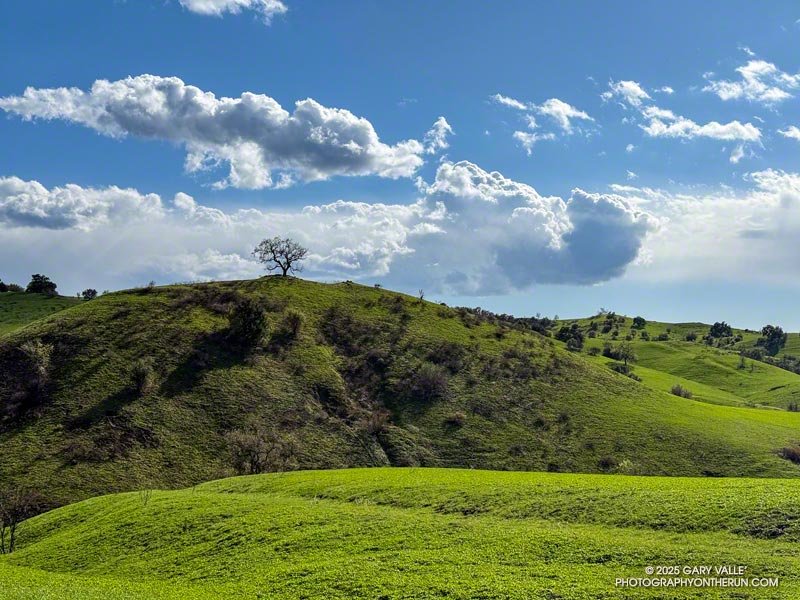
(18, 308)
(144, 388)
(410, 533)
(713, 374)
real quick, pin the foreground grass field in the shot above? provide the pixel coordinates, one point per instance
(409, 533)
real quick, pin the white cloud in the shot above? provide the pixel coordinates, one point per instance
(630, 175)
(562, 113)
(791, 132)
(510, 102)
(513, 236)
(30, 204)
(436, 138)
(665, 90)
(266, 8)
(629, 91)
(752, 234)
(263, 144)
(737, 154)
(760, 81)
(528, 139)
(630, 148)
(667, 124)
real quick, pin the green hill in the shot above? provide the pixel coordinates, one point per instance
(410, 533)
(712, 373)
(18, 308)
(147, 388)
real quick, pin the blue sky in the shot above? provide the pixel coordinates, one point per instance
(672, 120)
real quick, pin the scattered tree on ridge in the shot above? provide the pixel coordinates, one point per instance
(281, 253)
(41, 284)
(89, 294)
(639, 323)
(774, 338)
(720, 330)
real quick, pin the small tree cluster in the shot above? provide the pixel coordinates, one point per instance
(720, 330)
(41, 284)
(639, 323)
(572, 336)
(89, 294)
(773, 339)
(679, 390)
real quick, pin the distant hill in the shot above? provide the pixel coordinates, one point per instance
(410, 533)
(18, 308)
(712, 372)
(152, 387)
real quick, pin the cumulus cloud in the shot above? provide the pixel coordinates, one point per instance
(266, 8)
(751, 233)
(436, 138)
(528, 139)
(471, 232)
(562, 113)
(30, 204)
(760, 81)
(510, 102)
(263, 144)
(663, 122)
(558, 111)
(629, 92)
(791, 132)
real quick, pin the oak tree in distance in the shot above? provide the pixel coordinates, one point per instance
(279, 253)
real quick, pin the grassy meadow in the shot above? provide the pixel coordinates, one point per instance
(409, 533)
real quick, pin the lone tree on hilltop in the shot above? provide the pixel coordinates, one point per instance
(279, 253)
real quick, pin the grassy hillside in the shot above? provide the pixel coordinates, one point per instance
(712, 374)
(409, 533)
(18, 308)
(145, 388)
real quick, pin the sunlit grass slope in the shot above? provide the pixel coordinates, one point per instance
(18, 308)
(711, 374)
(342, 394)
(409, 533)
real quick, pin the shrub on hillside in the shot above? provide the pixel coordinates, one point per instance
(679, 390)
(3, 287)
(645, 336)
(457, 419)
(691, 336)
(791, 453)
(248, 323)
(288, 329)
(143, 376)
(13, 287)
(593, 351)
(449, 355)
(256, 449)
(428, 382)
(662, 337)
(89, 294)
(639, 323)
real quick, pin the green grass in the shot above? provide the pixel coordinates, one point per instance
(409, 533)
(711, 374)
(18, 308)
(515, 401)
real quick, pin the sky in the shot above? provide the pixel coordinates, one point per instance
(524, 157)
